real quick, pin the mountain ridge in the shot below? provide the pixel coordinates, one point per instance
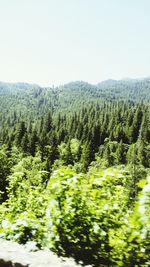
(20, 84)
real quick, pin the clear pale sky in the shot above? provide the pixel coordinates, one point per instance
(57, 41)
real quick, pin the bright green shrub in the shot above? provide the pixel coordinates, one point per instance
(89, 216)
(85, 211)
(139, 225)
(23, 217)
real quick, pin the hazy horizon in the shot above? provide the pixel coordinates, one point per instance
(73, 81)
(54, 42)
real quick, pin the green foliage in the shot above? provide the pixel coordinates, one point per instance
(73, 169)
(23, 212)
(81, 117)
(90, 218)
(8, 157)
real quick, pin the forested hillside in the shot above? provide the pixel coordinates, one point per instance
(75, 169)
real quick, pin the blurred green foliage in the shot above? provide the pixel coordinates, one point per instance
(91, 217)
(75, 170)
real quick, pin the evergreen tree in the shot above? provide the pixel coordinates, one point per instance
(120, 157)
(48, 123)
(20, 132)
(86, 155)
(33, 142)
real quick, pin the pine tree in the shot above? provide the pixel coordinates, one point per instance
(144, 133)
(48, 123)
(33, 142)
(68, 156)
(135, 127)
(20, 132)
(120, 157)
(25, 143)
(86, 155)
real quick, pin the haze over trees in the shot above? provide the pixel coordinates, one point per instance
(74, 169)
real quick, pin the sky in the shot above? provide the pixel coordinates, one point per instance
(52, 42)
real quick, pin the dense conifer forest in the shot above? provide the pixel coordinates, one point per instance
(75, 169)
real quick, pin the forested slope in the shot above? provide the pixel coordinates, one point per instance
(74, 169)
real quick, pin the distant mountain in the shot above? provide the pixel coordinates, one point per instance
(14, 86)
(131, 89)
(22, 97)
(134, 89)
